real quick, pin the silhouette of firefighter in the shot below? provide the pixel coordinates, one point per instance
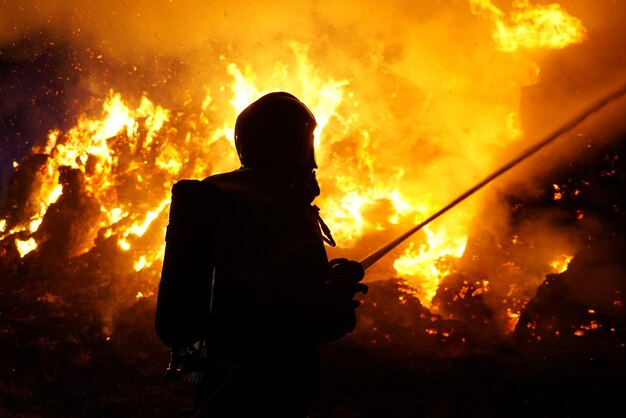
(247, 293)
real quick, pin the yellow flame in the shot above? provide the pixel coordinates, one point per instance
(118, 117)
(115, 214)
(140, 264)
(124, 244)
(428, 263)
(155, 118)
(140, 228)
(170, 160)
(24, 247)
(532, 27)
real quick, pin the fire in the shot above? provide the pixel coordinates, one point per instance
(141, 295)
(542, 26)
(132, 146)
(558, 194)
(140, 264)
(512, 319)
(428, 262)
(592, 325)
(24, 247)
(346, 211)
(90, 148)
(382, 166)
(562, 263)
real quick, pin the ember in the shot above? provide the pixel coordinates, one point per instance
(416, 102)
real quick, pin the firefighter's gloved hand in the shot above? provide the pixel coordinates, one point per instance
(342, 286)
(345, 277)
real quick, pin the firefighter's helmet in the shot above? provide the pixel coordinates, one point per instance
(276, 130)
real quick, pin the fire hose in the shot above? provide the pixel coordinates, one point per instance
(598, 105)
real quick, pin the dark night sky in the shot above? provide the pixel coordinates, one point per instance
(38, 84)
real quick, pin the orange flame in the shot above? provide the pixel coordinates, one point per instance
(561, 264)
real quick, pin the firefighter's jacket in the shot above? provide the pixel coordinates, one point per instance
(258, 251)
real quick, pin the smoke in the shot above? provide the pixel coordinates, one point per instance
(172, 26)
(419, 69)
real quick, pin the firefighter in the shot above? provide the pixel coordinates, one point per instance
(275, 296)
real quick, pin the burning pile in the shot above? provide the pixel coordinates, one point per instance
(402, 130)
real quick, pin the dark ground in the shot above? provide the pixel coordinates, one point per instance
(56, 363)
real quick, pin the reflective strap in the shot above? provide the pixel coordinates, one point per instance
(326, 235)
